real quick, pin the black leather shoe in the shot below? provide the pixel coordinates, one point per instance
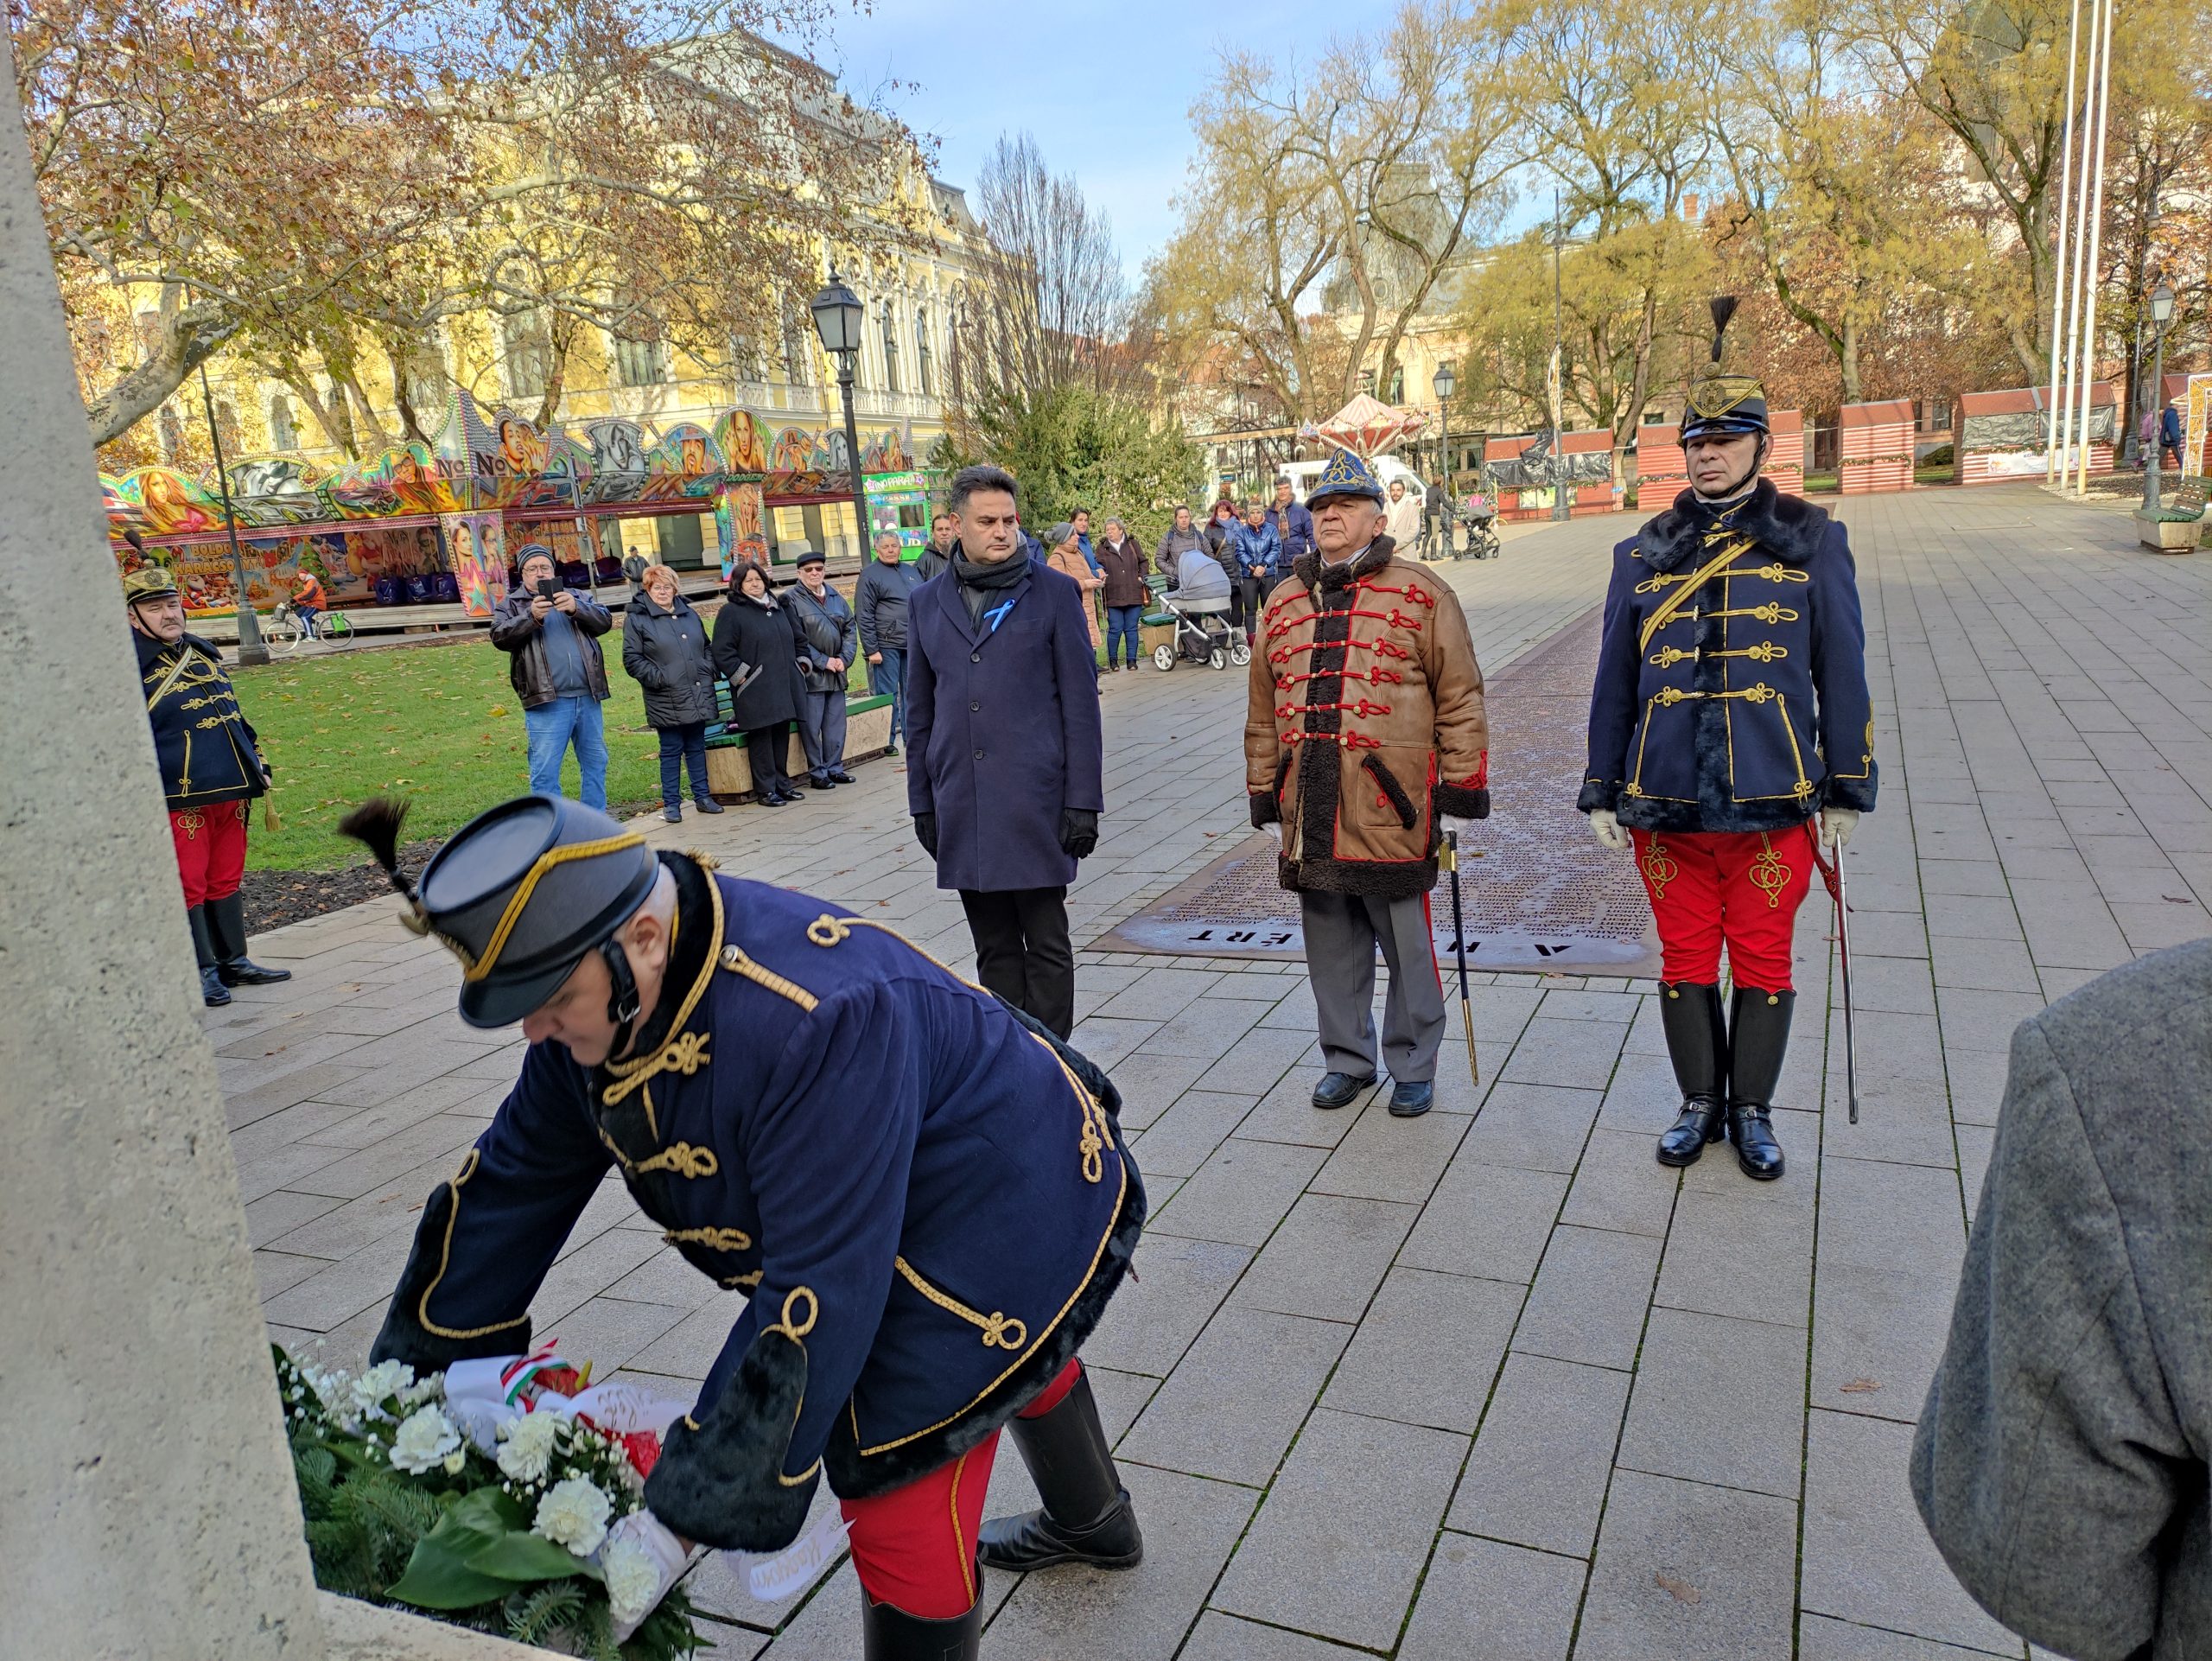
(820, 784)
(226, 931)
(673, 812)
(1088, 1517)
(891, 750)
(888, 1633)
(1338, 1089)
(706, 805)
(1697, 1043)
(1410, 1098)
(1758, 1040)
(839, 776)
(771, 799)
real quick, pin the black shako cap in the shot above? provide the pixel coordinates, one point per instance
(523, 891)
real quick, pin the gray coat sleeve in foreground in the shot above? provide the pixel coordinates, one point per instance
(2048, 1461)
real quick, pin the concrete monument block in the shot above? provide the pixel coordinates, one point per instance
(147, 1506)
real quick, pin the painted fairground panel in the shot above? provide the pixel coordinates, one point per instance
(900, 503)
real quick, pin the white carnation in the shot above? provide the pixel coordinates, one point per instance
(574, 1514)
(527, 1447)
(632, 1578)
(384, 1379)
(423, 1440)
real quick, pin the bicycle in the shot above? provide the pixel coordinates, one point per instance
(287, 632)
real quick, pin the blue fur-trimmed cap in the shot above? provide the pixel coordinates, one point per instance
(1345, 475)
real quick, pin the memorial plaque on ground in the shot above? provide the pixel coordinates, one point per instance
(1540, 895)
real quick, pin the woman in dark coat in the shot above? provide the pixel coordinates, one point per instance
(754, 630)
(665, 649)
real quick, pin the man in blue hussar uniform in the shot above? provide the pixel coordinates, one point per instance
(211, 769)
(1730, 731)
(926, 1197)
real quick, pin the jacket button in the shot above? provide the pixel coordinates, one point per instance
(974, 657)
(975, 706)
(979, 755)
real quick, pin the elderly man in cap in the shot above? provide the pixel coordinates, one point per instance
(211, 769)
(1365, 742)
(924, 1196)
(1729, 716)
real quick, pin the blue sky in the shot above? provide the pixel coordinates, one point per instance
(1106, 87)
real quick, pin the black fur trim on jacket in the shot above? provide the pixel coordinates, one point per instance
(1790, 527)
(1461, 802)
(853, 1475)
(1266, 811)
(403, 1337)
(721, 1483)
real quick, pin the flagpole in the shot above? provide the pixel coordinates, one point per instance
(2058, 255)
(2097, 239)
(2083, 121)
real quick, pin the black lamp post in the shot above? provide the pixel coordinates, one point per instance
(2162, 311)
(1446, 384)
(251, 648)
(838, 319)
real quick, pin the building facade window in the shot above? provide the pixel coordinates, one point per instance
(172, 436)
(1397, 385)
(798, 353)
(890, 349)
(283, 434)
(639, 362)
(226, 428)
(923, 362)
(527, 346)
(422, 378)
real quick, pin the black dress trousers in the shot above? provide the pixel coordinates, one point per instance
(1022, 951)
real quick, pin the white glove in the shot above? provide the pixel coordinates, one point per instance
(1275, 832)
(1606, 826)
(1836, 825)
(636, 1544)
(1452, 824)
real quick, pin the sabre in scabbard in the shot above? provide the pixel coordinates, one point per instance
(1833, 875)
(1450, 860)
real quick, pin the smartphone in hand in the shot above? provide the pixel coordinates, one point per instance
(547, 588)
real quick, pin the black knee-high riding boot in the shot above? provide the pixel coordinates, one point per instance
(1088, 1517)
(889, 1633)
(212, 992)
(1697, 1043)
(1758, 1039)
(226, 924)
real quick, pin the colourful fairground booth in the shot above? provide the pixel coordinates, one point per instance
(2000, 436)
(1662, 473)
(1524, 478)
(442, 522)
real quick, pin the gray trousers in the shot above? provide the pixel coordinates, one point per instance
(1342, 931)
(822, 730)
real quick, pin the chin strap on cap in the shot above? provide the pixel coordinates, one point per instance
(622, 1004)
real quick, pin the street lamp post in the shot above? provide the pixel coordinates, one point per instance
(1561, 507)
(2162, 311)
(251, 648)
(838, 318)
(1446, 384)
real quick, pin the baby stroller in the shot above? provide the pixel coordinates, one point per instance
(1479, 519)
(1202, 633)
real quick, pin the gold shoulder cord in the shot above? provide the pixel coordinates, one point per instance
(1097, 1138)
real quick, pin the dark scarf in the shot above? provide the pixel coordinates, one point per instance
(1787, 527)
(978, 580)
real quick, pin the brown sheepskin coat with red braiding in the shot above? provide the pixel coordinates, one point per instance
(1365, 725)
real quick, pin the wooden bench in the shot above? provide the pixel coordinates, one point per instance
(729, 771)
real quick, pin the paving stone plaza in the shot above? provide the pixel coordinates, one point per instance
(1491, 1382)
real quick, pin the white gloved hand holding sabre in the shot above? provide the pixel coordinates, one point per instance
(1606, 826)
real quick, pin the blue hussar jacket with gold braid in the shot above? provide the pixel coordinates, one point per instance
(207, 750)
(926, 1200)
(1730, 692)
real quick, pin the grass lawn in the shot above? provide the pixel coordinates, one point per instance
(437, 725)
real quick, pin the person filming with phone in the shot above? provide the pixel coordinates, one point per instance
(550, 634)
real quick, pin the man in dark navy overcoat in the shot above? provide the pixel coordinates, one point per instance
(925, 1198)
(1730, 729)
(1005, 764)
